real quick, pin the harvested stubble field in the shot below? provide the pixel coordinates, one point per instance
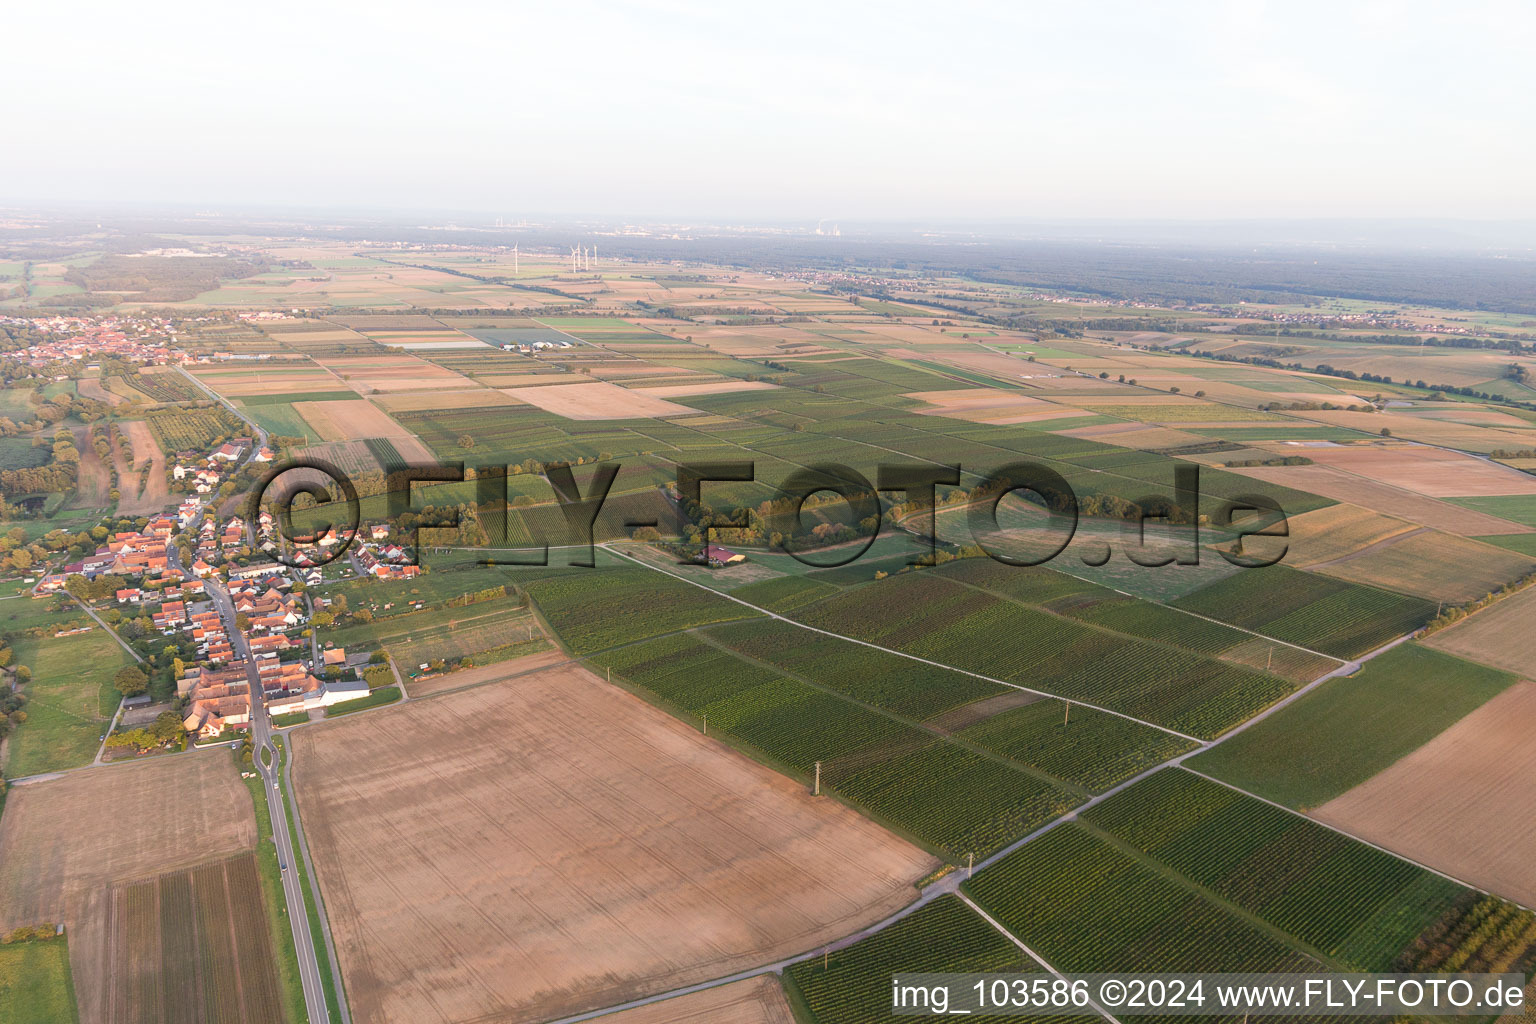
(1389, 499)
(581, 819)
(64, 848)
(1338, 531)
(432, 401)
(1434, 565)
(358, 420)
(395, 373)
(270, 381)
(1463, 802)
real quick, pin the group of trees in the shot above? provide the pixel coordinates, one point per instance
(58, 473)
(165, 731)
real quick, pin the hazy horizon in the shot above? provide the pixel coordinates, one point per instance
(1211, 112)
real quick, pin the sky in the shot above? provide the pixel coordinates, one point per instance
(844, 111)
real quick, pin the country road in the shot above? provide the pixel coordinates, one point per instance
(277, 796)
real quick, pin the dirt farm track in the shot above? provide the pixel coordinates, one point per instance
(549, 844)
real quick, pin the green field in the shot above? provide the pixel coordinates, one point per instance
(1015, 633)
(945, 935)
(16, 404)
(376, 698)
(1517, 508)
(1350, 728)
(71, 701)
(21, 453)
(257, 401)
(1337, 618)
(279, 420)
(1524, 543)
(1180, 873)
(1086, 905)
(35, 983)
(601, 608)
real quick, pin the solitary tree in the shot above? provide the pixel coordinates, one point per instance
(131, 681)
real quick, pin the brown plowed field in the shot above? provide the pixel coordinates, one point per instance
(550, 844)
(1465, 802)
(755, 1001)
(193, 947)
(597, 400)
(1430, 471)
(67, 844)
(156, 494)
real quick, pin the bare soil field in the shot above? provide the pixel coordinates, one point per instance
(1459, 413)
(485, 673)
(66, 843)
(193, 946)
(467, 843)
(627, 370)
(597, 400)
(90, 387)
(1465, 802)
(1434, 472)
(95, 480)
(1500, 635)
(157, 489)
(754, 1001)
(1396, 501)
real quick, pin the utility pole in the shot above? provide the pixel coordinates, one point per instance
(970, 864)
(816, 786)
(706, 724)
(1068, 716)
(1270, 659)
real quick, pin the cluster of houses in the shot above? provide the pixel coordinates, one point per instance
(206, 472)
(141, 553)
(380, 558)
(136, 338)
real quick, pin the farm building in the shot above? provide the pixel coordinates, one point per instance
(716, 555)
